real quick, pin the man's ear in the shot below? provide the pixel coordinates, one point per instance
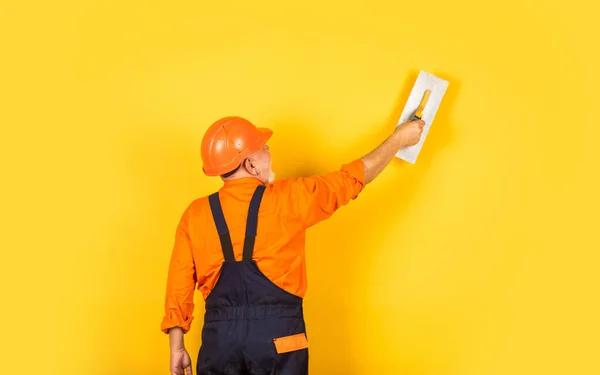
(250, 166)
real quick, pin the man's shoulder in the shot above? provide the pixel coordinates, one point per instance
(196, 205)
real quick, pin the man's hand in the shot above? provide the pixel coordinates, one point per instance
(180, 361)
(410, 132)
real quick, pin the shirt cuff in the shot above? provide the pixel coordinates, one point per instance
(356, 169)
(173, 321)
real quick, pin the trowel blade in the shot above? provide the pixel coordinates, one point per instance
(437, 87)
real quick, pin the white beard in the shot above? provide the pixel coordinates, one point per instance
(271, 177)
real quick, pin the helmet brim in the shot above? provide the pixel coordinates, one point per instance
(265, 135)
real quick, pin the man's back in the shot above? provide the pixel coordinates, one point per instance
(288, 208)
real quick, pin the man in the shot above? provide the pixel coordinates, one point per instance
(243, 247)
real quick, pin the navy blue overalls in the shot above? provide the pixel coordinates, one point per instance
(245, 312)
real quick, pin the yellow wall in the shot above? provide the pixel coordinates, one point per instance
(480, 259)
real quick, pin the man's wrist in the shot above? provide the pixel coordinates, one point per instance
(176, 338)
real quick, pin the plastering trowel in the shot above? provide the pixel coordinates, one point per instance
(422, 104)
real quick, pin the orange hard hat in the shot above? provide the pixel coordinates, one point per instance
(228, 141)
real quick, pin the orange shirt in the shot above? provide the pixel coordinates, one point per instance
(288, 208)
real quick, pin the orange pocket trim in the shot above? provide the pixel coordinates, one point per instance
(290, 343)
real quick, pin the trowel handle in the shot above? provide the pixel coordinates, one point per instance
(419, 113)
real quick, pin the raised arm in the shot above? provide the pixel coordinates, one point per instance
(316, 198)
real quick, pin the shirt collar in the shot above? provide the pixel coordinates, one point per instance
(244, 181)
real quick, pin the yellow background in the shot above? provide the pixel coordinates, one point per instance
(480, 259)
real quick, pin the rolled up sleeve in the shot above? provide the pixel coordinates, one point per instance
(181, 282)
(316, 198)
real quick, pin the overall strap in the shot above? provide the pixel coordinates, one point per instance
(217, 213)
(252, 223)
